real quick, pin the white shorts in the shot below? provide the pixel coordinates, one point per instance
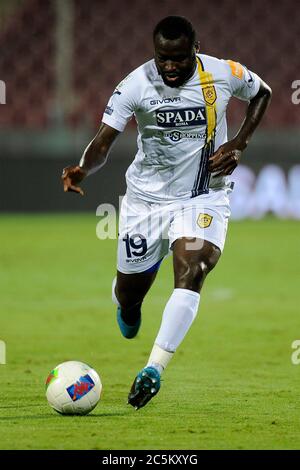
(148, 230)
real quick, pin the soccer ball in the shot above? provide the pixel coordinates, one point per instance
(73, 388)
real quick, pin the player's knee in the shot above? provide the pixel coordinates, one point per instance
(191, 275)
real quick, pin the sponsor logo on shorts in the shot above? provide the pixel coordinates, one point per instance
(204, 220)
(137, 260)
(81, 387)
(176, 136)
(182, 117)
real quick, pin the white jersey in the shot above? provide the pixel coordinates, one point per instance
(178, 128)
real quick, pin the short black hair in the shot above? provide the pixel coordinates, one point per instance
(173, 27)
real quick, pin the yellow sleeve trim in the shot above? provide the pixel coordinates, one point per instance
(236, 69)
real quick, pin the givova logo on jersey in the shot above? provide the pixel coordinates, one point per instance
(181, 117)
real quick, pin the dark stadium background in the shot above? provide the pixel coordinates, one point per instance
(60, 61)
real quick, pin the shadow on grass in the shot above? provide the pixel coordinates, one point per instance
(59, 416)
(16, 407)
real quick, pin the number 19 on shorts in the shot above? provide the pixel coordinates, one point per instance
(136, 245)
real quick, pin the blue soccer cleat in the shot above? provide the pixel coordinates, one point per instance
(128, 331)
(145, 386)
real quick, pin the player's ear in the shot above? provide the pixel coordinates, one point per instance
(197, 47)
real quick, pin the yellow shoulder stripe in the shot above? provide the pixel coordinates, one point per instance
(210, 97)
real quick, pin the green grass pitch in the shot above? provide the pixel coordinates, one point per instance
(231, 384)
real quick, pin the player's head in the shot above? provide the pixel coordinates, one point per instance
(174, 49)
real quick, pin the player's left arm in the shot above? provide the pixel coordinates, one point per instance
(228, 155)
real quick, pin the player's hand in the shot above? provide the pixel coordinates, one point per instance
(71, 176)
(225, 159)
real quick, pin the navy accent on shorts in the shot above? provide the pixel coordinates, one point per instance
(154, 268)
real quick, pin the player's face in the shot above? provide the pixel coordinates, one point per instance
(175, 59)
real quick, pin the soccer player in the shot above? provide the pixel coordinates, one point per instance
(178, 180)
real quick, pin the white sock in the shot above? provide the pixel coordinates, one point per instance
(178, 316)
(159, 358)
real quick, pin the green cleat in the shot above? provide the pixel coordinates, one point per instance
(145, 386)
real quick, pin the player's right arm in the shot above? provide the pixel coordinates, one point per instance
(93, 158)
(118, 112)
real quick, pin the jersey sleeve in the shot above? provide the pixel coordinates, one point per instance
(122, 104)
(243, 83)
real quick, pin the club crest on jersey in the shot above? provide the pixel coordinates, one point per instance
(181, 117)
(204, 220)
(81, 387)
(209, 94)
